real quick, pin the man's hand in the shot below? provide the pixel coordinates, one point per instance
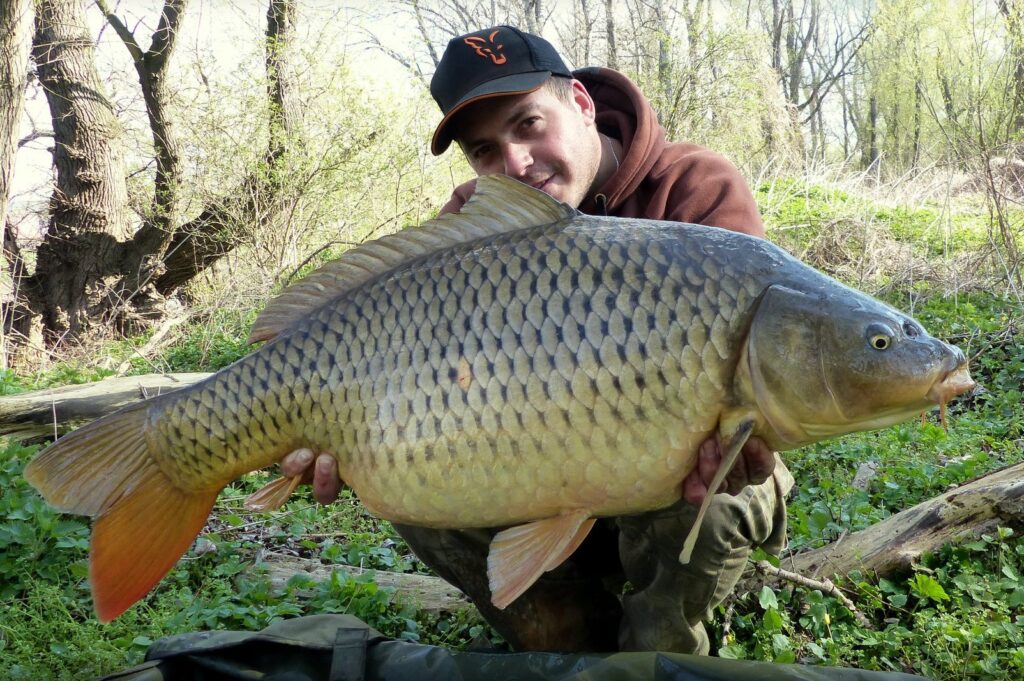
(321, 470)
(754, 465)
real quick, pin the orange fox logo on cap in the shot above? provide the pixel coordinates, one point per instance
(483, 47)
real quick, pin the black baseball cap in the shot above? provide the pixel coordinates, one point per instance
(501, 60)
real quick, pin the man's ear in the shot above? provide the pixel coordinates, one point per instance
(583, 100)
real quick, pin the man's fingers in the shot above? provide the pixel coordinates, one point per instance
(737, 478)
(709, 459)
(326, 483)
(759, 460)
(694, 489)
(298, 462)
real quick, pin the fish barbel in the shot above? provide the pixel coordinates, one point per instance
(516, 364)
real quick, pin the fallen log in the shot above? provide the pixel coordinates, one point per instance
(891, 546)
(56, 410)
(432, 594)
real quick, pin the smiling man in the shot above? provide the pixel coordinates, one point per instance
(591, 139)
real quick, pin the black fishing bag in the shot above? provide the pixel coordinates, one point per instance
(343, 648)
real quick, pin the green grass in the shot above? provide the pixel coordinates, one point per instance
(958, 615)
(796, 213)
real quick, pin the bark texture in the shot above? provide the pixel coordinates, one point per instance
(15, 39)
(80, 254)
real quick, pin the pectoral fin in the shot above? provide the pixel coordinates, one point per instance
(734, 442)
(521, 554)
(272, 495)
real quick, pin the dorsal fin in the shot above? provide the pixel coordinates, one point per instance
(499, 204)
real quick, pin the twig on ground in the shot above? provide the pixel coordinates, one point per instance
(727, 622)
(824, 585)
(157, 340)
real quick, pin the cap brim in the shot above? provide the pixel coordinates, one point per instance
(518, 84)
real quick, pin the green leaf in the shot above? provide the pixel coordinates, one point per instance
(925, 586)
(732, 652)
(772, 620)
(767, 598)
(785, 657)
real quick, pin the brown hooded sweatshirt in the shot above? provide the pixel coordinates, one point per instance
(656, 180)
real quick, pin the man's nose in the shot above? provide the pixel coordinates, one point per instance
(517, 159)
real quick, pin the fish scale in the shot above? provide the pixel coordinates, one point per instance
(517, 364)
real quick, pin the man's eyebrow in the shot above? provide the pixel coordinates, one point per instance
(514, 114)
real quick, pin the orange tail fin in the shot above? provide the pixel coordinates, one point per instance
(140, 538)
(143, 521)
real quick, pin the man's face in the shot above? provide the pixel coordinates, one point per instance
(535, 138)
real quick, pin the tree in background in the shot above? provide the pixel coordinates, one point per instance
(15, 37)
(94, 266)
(15, 43)
(89, 222)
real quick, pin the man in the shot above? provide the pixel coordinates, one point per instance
(590, 138)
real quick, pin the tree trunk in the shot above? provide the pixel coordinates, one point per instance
(153, 238)
(1013, 15)
(15, 44)
(15, 39)
(609, 25)
(918, 98)
(870, 150)
(778, 19)
(80, 254)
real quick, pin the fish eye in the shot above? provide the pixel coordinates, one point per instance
(879, 336)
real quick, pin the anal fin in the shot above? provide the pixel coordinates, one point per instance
(734, 445)
(520, 555)
(139, 538)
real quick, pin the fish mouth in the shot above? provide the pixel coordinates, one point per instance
(956, 382)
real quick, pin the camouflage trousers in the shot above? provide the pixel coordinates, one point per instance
(624, 588)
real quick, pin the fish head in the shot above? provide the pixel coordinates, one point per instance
(836, 361)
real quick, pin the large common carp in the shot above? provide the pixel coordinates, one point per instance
(517, 364)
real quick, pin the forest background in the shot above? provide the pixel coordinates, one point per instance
(165, 168)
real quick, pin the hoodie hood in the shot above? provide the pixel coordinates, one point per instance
(624, 113)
